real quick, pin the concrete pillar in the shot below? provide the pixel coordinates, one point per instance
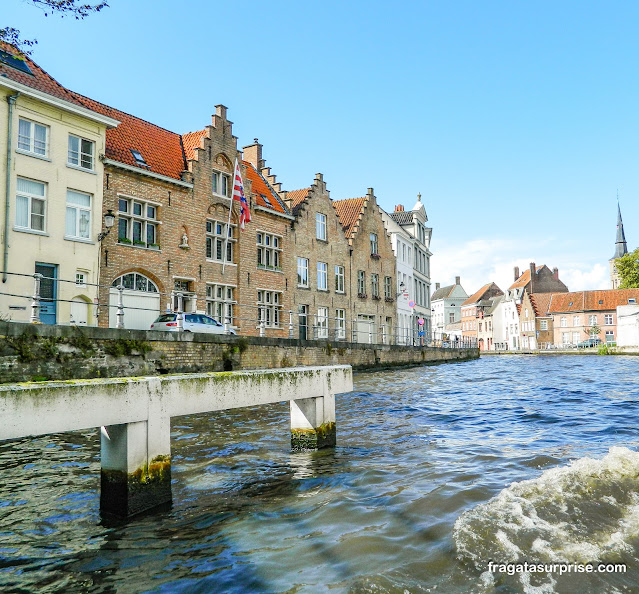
(313, 422)
(136, 463)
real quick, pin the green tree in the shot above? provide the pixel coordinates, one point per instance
(628, 269)
(593, 331)
(73, 8)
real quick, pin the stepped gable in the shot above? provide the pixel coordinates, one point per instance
(161, 149)
(191, 141)
(350, 212)
(38, 80)
(265, 195)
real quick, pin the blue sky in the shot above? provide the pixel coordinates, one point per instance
(517, 122)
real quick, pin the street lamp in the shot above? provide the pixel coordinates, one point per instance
(109, 221)
(401, 289)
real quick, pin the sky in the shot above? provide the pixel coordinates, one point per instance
(517, 122)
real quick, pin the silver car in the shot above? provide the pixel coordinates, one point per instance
(191, 323)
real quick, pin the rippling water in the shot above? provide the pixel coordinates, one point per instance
(438, 471)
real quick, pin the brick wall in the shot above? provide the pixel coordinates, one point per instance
(30, 352)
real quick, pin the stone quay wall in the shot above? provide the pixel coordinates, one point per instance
(36, 352)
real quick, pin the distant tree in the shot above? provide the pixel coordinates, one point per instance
(592, 331)
(628, 269)
(63, 8)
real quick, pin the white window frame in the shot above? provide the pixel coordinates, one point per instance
(28, 143)
(576, 320)
(543, 324)
(339, 279)
(269, 251)
(216, 241)
(80, 155)
(322, 276)
(30, 198)
(302, 272)
(269, 304)
(388, 287)
(374, 244)
(143, 219)
(609, 334)
(220, 302)
(592, 320)
(608, 320)
(322, 323)
(81, 278)
(563, 322)
(361, 283)
(340, 324)
(320, 226)
(78, 210)
(374, 285)
(221, 183)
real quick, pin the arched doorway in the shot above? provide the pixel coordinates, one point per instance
(141, 299)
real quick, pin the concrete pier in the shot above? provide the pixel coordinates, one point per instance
(134, 416)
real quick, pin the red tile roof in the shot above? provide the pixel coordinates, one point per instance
(191, 141)
(541, 303)
(297, 198)
(478, 296)
(607, 300)
(160, 148)
(524, 279)
(349, 212)
(40, 81)
(265, 196)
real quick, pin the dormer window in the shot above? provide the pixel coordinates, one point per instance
(570, 304)
(15, 62)
(139, 159)
(601, 302)
(265, 198)
(632, 300)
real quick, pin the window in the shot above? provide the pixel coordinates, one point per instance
(32, 137)
(322, 322)
(182, 286)
(608, 319)
(302, 272)
(135, 282)
(375, 285)
(320, 226)
(543, 325)
(565, 338)
(216, 238)
(81, 152)
(340, 324)
(373, 238)
(339, 279)
(268, 303)
(220, 302)
(30, 205)
(137, 223)
(78, 218)
(81, 278)
(576, 320)
(632, 300)
(563, 322)
(268, 251)
(220, 183)
(361, 283)
(322, 276)
(388, 288)
(139, 159)
(451, 318)
(592, 320)
(610, 336)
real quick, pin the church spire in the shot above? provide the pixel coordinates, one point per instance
(621, 247)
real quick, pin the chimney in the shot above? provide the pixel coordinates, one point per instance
(253, 154)
(516, 272)
(436, 286)
(457, 280)
(399, 208)
(533, 272)
(220, 111)
(555, 273)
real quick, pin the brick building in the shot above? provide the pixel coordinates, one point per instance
(373, 269)
(472, 310)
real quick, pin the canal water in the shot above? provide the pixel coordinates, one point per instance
(438, 471)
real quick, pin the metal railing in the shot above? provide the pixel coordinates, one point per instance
(266, 319)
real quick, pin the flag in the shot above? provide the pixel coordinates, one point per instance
(238, 194)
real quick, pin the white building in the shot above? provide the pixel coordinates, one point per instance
(445, 306)
(413, 222)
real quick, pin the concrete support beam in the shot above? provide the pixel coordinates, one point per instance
(313, 423)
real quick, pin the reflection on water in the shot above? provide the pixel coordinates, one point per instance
(415, 497)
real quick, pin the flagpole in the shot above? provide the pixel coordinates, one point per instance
(228, 224)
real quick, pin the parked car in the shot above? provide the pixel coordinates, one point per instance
(591, 342)
(192, 323)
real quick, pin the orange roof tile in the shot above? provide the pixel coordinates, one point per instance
(524, 279)
(579, 301)
(265, 196)
(40, 80)
(477, 296)
(297, 198)
(191, 141)
(348, 212)
(160, 148)
(541, 303)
